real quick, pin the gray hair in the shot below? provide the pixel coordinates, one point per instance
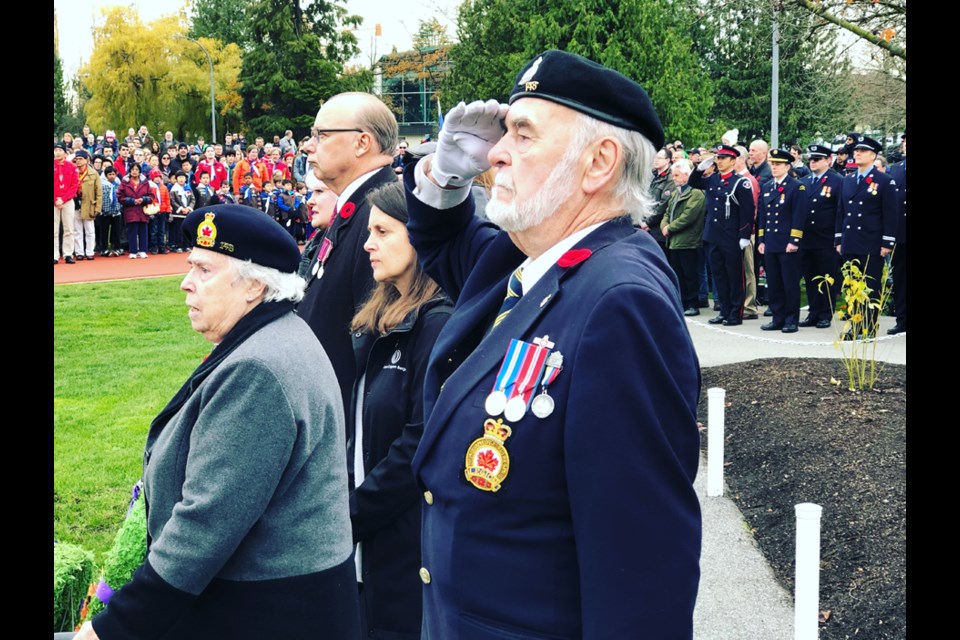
(683, 166)
(377, 119)
(278, 285)
(633, 187)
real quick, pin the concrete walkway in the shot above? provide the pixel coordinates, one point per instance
(739, 597)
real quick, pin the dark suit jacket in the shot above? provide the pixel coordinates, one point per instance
(781, 215)
(868, 214)
(823, 204)
(899, 174)
(595, 531)
(331, 300)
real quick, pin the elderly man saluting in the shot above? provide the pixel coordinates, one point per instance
(560, 443)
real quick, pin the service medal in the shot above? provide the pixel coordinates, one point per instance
(487, 462)
(495, 403)
(515, 409)
(542, 405)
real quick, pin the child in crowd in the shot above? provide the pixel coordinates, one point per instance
(225, 196)
(182, 201)
(204, 190)
(157, 229)
(110, 217)
(248, 195)
(266, 199)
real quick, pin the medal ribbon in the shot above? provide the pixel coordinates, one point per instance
(550, 374)
(508, 368)
(531, 370)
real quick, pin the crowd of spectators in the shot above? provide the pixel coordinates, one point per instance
(129, 196)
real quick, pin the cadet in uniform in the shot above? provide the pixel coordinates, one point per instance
(560, 442)
(817, 254)
(898, 261)
(729, 223)
(779, 232)
(868, 219)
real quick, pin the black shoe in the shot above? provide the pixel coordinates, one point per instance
(768, 313)
(716, 306)
(822, 324)
(79, 257)
(692, 311)
(732, 323)
(717, 320)
(750, 316)
(704, 304)
(89, 258)
(789, 328)
(848, 336)
(771, 326)
(68, 259)
(56, 261)
(897, 328)
(807, 322)
(164, 251)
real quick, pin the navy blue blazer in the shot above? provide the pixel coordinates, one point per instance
(719, 227)
(823, 205)
(595, 531)
(868, 214)
(781, 215)
(898, 172)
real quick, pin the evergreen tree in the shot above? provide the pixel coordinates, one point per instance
(224, 20)
(295, 61)
(646, 41)
(59, 97)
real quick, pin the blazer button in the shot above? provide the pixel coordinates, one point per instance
(428, 497)
(424, 575)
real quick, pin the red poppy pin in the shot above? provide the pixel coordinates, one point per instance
(574, 256)
(868, 179)
(780, 188)
(347, 210)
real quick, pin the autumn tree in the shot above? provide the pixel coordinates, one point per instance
(411, 79)
(647, 41)
(151, 74)
(295, 61)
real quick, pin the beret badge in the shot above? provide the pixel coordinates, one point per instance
(207, 231)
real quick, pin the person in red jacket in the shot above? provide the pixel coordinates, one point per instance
(216, 169)
(157, 227)
(65, 183)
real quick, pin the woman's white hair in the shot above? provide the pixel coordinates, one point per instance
(278, 285)
(633, 186)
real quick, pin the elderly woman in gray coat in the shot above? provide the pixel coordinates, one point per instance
(248, 525)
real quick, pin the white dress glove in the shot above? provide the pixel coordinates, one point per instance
(704, 165)
(744, 243)
(469, 132)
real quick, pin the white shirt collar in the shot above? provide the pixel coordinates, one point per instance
(353, 186)
(533, 270)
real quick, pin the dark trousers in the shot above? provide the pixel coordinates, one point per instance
(822, 299)
(872, 265)
(109, 232)
(726, 263)
(684, 264)
(702, 261)
(899, 263)
(158, 232)
(783, 286)
(137, 237)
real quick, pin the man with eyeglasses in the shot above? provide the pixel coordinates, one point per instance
(817, 255)
(352, 145)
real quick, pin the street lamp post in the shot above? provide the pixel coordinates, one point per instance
(213, 104)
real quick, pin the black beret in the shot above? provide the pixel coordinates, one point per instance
(590, 88)
(780, 155)
(868, 143)
(60, 145)
(727, 150)
(819, 151)
(244, 233)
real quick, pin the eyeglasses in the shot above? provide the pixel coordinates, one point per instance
(316, 133)
(165, 158)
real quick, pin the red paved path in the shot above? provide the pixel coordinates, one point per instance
(121, 268)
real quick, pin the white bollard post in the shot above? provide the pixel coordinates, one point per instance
(806, 612)
(715, 401)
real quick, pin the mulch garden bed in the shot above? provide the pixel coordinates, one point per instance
(792, 436)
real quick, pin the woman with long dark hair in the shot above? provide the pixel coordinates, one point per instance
(393, 333)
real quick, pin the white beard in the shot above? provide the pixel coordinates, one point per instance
(520, 216)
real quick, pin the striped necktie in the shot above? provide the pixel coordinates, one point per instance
(514, 293)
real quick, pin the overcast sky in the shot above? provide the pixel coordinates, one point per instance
(399, 20)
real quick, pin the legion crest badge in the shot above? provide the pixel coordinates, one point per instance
(207, 231)
(487, 462)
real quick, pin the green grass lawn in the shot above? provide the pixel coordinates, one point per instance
(121, 351)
